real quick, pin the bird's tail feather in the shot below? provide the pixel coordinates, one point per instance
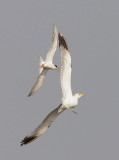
(40, 60)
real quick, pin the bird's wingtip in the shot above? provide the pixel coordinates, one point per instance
(60, 35)
(29, 94)
(28, 140)
(62, 41)
(54, 28)
(54, 25)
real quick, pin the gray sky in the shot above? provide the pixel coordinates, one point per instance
(92, 32)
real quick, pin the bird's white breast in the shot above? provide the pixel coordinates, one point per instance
(69, 102)
(48, 65)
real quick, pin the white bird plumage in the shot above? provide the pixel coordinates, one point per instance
(47, 64)
(68, 100)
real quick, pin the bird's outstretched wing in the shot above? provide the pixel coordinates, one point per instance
(65, 67)
(39, 82)
(51, 52)
(42, 127)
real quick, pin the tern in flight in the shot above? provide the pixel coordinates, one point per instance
(69, 100)
(47, 64)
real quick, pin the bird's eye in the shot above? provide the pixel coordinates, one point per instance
(55, 65)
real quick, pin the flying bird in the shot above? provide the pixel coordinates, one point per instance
(69, 100)
(47, 64)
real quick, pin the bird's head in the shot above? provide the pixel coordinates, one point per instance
(79, 95)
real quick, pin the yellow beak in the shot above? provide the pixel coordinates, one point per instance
(82, 95)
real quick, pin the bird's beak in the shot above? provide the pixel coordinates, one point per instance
(82, 95)
(57, 69)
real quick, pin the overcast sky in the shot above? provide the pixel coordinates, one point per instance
(92, 32)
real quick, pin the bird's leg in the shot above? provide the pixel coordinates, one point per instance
(41, 65)
(72, 110)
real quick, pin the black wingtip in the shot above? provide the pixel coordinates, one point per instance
(27, 140)
(62, 41)
(29, 95)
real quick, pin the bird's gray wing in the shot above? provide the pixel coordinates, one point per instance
(42, 127)
(39, 82)
(52, 50)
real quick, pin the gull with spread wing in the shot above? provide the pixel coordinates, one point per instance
(69, 101)
(47, 64)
